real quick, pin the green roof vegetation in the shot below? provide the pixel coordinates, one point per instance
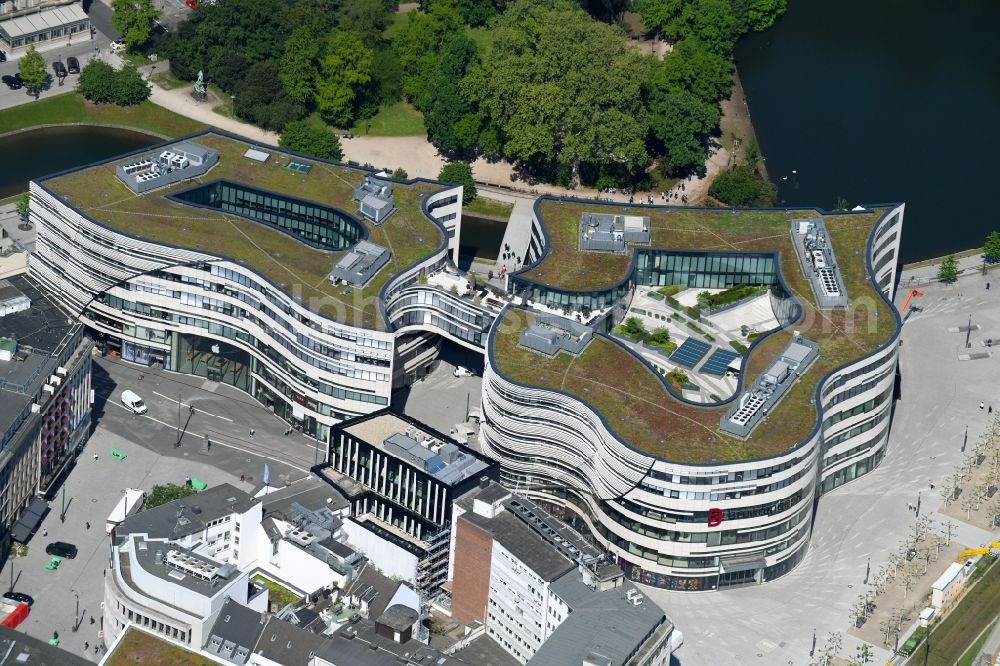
(633, 401)
(297, 269)
(139, 647)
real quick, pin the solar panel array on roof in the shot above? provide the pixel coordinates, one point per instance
(299, 166)
(718, 362)
(690, 352)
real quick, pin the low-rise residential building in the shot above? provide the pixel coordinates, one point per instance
(379, 643)
(545, 594)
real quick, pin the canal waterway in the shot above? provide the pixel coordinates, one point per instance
(881, 102)
(47, 150)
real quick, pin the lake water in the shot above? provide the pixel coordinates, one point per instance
(48, 150)
(879, 102)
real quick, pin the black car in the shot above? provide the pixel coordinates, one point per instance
(72, 65)
(3, 57)
(10, 81)
(59, 68)
(19, 597)
(61, 549)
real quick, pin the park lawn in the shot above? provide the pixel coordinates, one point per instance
(166, 80)
(72, 108)
(483, 37)
(399, 119)
(277, 593)
(139, 647)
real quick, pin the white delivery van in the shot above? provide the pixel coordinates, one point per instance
(133, 402)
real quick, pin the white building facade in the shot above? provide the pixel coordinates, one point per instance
(654, 514)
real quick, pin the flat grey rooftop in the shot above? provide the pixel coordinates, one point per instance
(146, 557)
(311, 494)
(408, 440)
(17, 649)
(189, 515)
(524, 544)
(599, 622)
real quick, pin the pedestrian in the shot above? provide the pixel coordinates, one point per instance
(242, 478)
(92, 617)
(86, 645)
(987, 285)
(45, 533)
(982, 405)
(990, 410)
(97, 648)
(88, 524)
(95, 457)
(252, 431)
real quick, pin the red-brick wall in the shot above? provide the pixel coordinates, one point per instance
(471, 586)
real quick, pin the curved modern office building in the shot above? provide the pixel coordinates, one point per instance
(319, 288)
(695, 495)
(314, 286)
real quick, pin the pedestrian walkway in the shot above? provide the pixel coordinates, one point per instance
(968, 265)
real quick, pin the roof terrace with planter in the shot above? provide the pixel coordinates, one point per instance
(185, 212)
(642, 407)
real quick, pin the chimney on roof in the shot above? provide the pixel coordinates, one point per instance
(484, 481)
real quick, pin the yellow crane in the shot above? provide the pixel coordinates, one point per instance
(993, 548)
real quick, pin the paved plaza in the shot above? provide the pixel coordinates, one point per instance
(867, 518)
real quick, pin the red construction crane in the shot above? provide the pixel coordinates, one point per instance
(913, 292)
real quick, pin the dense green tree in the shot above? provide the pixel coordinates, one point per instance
(134, 19)
(460, 173)
(131, 88)
(298, 65)
(605, 10)
(168, 492)
(447, 106)
(261, 99)
(23, 206)
(418, 43)
(386, 85)
(692, 67)
(561, 88)
(309, 139)
(712, 22)
(948, 271)
(476, 12)
(254, 29)
(230, 69)
(761, 14)
(31, 66)
(742, 186)
(346, 67)
(662, 16)
(682, 123)
(97, 82)
(991, 247)
(366, 18)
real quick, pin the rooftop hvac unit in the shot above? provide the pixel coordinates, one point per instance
(61, 371)
(48, 389)
(55, 380)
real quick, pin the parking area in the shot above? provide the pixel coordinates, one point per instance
(440, 399)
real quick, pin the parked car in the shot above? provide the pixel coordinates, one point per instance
(118, 45)
(462, 371)
(3, 57)
(10, 82)
(19, 597)
(61, 549)
(132, 400)
(73, 65)
(59, 69)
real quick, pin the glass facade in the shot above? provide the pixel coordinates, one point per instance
(320, 226)
(700, 270)
(216, 361)
(704, 270)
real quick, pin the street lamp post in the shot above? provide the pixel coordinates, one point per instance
(76, 613)
(868, 570)
(965, 439)
(968, 333)
(812, 650)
